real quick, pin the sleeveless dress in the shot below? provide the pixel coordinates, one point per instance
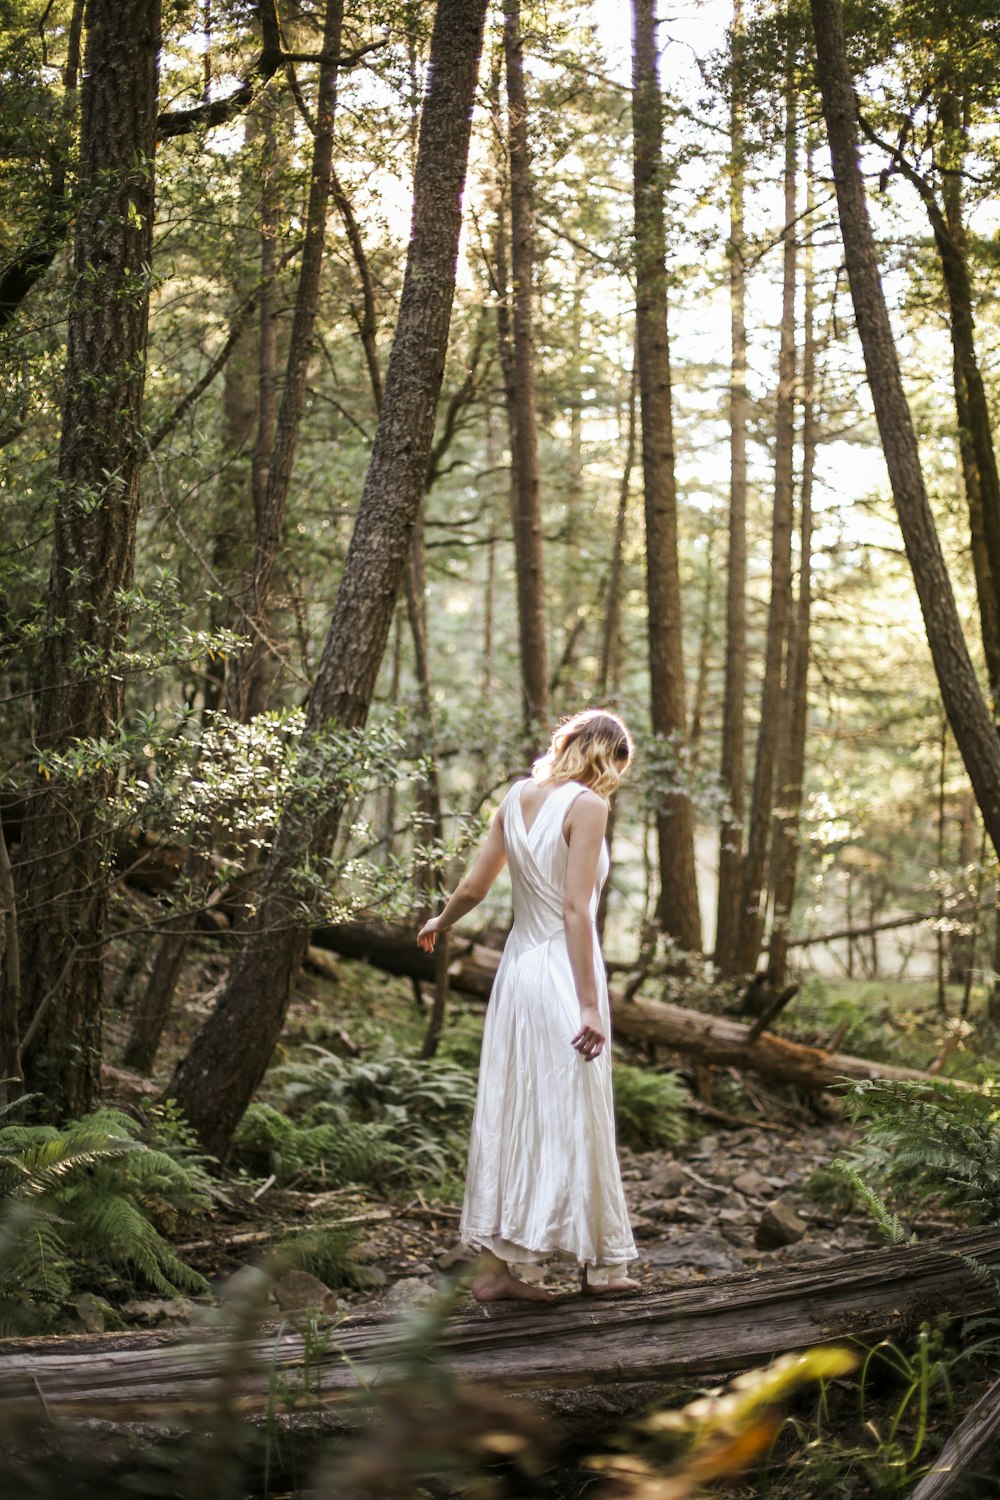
(543, 1173)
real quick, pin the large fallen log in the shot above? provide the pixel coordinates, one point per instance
(718, 1040)
(713, 1328)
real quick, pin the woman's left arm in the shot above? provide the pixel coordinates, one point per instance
(471, 889)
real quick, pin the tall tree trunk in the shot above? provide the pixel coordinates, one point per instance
(60, 867)
(246, 682)
(732, 769)
(609, 668)
(791, 766)
(677, 911)
(527, 514)
(217, 1079)
(968, 713)
(753, 886)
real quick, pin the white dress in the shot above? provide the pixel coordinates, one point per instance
(543, 1172)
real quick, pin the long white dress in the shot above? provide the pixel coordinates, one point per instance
(543, 1172)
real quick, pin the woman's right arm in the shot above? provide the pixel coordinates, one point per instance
(471, 889)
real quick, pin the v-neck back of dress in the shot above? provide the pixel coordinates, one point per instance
(538, 857)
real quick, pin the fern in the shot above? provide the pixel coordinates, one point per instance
(930, 1141)
(649, 1108)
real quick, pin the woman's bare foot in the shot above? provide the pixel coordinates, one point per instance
(492, 1286)
(604, 1288)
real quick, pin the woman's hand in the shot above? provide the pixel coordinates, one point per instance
(589, 1040)
(427, 936)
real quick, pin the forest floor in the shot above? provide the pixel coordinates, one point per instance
(750, 1187)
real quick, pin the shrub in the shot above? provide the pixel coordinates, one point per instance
(649, 1108)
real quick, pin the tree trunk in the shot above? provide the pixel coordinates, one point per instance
(712, 1327)
(753, 885)
(60, 866)
(732, 770)
(968, 713)
(229, 1055)
(245, 683)
(677, 911)
(791, 766)
(527, 515)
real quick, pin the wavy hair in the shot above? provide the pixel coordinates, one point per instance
(593, 747)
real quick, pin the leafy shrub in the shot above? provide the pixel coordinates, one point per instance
(329, 1252)
(86, 1203)
(649, 1108)
(924, 1140)
(386, 1119)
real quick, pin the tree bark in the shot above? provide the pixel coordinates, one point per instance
(968, 713)
(60, 865)
(732, 768)
(527, 514)
(229, 1055)
(791, 766)
(753, 888)
(677, 911)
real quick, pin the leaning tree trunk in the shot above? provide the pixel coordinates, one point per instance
(527, 514)
(61, 875)
(732, 770)
(217, 1079)
(678, 905)
(968, 712)
(753, 885)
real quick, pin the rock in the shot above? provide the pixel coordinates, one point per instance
(666, 1179)
(643, 1228)
(300, 1291)
(779, 1225)
(248, 1285)
(91, 1312)
(374, 1276)
(753, 1183)
(409, 1292)
(155, 1310)
(708, 1252)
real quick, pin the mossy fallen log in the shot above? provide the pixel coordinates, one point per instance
(711, 1329)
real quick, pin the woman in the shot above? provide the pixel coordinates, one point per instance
(543, 1174)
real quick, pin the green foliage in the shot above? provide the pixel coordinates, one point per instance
(649, 1108)
(329, 1251)
(384, 1120)
(930, 1141)
(88, 1204)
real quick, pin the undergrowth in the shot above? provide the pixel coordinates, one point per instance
(649, 1108)
(87, 1207)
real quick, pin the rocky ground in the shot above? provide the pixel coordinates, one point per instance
(732, 1200)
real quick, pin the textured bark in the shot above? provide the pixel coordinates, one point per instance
(732, 768)
(791, 765)
(245, 683)
(753, 887)
(216, 1080)
(525, 501)
(60, 870)
(677, 911)
(718, 1326)
(967, 711)
(609, 668)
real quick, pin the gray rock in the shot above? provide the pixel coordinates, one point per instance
(643, 1228)
(707, 1251)
(753, 1183)
(666, 1179)
(408, 1292)
(154, 1310)
(90, 1310)
(248, 1285)
(779, 1225)
(300, 1291)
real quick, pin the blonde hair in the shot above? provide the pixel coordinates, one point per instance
(593, 747)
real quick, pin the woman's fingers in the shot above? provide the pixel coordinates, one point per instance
(589, 1043)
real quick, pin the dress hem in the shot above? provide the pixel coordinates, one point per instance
(480, 1238)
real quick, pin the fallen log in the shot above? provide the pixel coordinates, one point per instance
(713, 1328)
(718, 1040)
(967, 1462)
